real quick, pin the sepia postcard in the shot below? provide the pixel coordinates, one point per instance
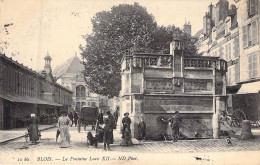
(130, 82)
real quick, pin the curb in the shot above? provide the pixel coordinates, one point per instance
(5, 141)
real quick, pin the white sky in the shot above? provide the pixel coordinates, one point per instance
(50, 25)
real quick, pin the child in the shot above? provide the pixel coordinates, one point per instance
(91, 140)
(107, 138)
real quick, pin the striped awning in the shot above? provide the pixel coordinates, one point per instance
(253, 87)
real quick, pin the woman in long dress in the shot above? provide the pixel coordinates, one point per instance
(63, 124)
(33, 129)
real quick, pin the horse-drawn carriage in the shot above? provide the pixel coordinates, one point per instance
(88, 116)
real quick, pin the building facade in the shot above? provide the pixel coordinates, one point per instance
(70, 75)
(249, 34)
(232, 33)
(24, 91)
(158, 85)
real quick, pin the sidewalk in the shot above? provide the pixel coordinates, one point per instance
(7, 135)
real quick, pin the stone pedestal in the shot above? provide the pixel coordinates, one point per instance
(220, 105)
(215, 125)
(246, 130)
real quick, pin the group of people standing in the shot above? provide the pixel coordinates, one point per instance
(110, 123)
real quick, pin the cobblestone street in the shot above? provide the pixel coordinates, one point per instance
(79, 143)
(49, 147)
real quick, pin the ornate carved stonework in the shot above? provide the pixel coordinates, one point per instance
(160, 61)
(137, 62)
(177, 81)
(197, 63)
(159, 85)
(195, 85)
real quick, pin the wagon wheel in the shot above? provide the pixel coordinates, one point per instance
(237, 117)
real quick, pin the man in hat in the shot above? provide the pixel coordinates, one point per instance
(126, 123)
(112, 124)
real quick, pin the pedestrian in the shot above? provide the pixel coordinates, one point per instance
(112, 124)
(100, 117)
(79, 122)
(174, 124)
(63, 124)
(142, 129)
(107, 138)
(126, 130)
(116, 114)
(33, 129)
(71, 117)
(75, 115)
(126, 121)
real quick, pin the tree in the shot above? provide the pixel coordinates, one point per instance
(163, 36)
(124, 29)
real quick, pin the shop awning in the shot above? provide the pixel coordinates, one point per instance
(29, 100)
(253, 87)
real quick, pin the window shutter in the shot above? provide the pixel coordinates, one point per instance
(249, 34)
(244, 37)
(254, 32)
(229, 51)
(250, 61)
(248, 7)
(255, 65)
(252, 7)
(237, 73)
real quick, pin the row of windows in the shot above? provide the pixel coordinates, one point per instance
(21, 83)
(81, 92)
(233, 74)
(253, 69)
(227, 49)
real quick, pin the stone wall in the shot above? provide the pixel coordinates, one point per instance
(196, 112)
(191, 123)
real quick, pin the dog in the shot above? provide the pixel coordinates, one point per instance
(229, 143)
(91, 140)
